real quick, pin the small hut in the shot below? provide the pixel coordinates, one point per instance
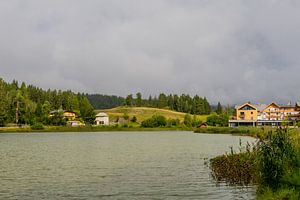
(102, 119)
(203, 125)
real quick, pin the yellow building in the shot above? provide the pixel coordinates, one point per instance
(246, 115)
(69, 115)
(246, 111)
(269, 115)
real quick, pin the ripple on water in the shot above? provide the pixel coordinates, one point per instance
(113, 166)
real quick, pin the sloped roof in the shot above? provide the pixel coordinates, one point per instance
(245, 104)
(101, 114)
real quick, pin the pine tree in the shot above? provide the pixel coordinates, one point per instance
(219, 109)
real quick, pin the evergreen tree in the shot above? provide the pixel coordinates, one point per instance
(219, 109)
(129, 100)
(138, 99)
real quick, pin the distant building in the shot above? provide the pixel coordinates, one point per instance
(69, 115)
(259, 115)
(203, 125)
(102, 119)
(75, 123)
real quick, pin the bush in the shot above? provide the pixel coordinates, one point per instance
(187, 120)
(155, 121)
(235, 168)
(37, 126)
(173, 122)
(277, 157)
(134, 119)
(217, 120)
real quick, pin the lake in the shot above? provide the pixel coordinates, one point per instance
(114, 165)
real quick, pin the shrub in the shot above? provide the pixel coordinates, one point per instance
(277, 157)
(217, 120)
(173, 122)
(37, 126)
(134, 119)
(187, 120)
(155, 121)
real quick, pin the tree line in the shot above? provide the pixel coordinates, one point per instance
(27, 104)
(183, 103)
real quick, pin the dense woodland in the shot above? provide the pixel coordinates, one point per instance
(182, 103)
(100, 101)
(24, 104)
(27, 104)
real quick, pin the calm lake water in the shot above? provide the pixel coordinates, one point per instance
(114, 165)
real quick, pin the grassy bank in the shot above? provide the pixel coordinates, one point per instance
(250, 131)
(273, 164)
(142, 113)
(87, 129)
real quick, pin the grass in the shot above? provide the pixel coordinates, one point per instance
(142, 113)
(259, 132)
(273, 164)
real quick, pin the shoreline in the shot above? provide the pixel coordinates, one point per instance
(50, 129)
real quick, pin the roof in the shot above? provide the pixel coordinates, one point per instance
(249, 104)
(60, 110)
(101, 114)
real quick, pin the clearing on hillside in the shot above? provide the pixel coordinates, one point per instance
(142, 113)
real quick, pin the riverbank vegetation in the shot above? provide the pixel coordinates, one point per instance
(246, 130)
(273, 164)
(130, 127)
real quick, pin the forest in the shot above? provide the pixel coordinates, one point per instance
(27, 104)
(181, 103)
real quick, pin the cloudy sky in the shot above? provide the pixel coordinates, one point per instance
(229, 51)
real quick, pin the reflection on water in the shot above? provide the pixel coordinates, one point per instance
(115, 165)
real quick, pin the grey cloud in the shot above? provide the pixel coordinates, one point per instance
(229, 51)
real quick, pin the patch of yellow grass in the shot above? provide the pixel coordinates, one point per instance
(142, 113)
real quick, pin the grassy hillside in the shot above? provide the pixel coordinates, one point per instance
(143, 113)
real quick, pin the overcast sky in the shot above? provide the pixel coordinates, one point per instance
(228, 51)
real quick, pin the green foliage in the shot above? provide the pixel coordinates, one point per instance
(277, 157)
(126, 116)
(138, 99)
(217, 120)
(155, 121)
(187, 120)
(196, 122)
(274, 163)
(280, 194)
(129, 100)
(183, 103)
(29, 104)
(134, 119)
(173, 122)
(99, 101)
(57, 119)
(86, 110)
(219, 109)
(37, 126)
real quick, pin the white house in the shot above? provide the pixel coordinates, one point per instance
(102, 119)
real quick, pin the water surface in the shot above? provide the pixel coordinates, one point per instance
(114, 165)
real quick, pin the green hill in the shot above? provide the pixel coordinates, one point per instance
(142, 113)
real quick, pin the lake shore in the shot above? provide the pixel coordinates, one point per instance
(46, 129)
